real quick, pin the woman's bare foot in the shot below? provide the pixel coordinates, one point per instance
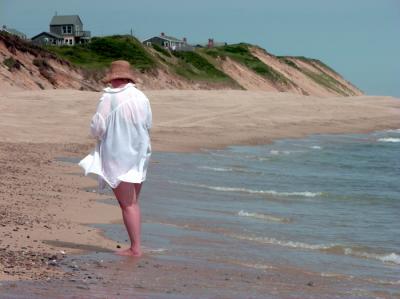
(129, 252)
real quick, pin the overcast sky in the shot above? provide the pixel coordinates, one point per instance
(358, 38)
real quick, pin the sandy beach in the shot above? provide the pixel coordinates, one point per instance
(46, 204)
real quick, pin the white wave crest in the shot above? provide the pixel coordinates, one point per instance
(255, 266)
(393, 130)
(250, 191)
(391, 258)
(386, 258)
(220, 169)
(316, 147)
(291, 244)
(154, 250)
(277, 152)
(226, 169)
(388, 139)
(263, 216)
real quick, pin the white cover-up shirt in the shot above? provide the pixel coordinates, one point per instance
(121, 125)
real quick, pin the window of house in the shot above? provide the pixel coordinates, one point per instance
(67, 29)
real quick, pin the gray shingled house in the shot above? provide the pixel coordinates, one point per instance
(168, 42)
(64, 30)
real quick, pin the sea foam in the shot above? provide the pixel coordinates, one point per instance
(229, 169)
(316, 147)
(263, 216)
(219, 169)
(389, 139)
(393, 130)
(392, 258)
(386, 258)
(291, 244)
(250, 191)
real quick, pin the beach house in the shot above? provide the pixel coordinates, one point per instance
(211, 43)
(169, 42)
(64, 30)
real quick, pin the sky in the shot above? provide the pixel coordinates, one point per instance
(360, 39)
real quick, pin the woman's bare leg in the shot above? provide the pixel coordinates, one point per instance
(127, 195)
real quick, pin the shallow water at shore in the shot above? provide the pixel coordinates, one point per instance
(309, 218)
(326, 204)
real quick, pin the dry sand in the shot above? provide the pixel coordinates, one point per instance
(191, 120)
(43, 202)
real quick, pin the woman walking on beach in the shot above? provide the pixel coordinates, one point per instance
(121, 125)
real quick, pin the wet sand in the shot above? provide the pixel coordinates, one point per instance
(45, 205)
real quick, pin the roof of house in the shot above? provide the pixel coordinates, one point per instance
(171, 38)
(66, 20)
(49, 34)
(165, 37)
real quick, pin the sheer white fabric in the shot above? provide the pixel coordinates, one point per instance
(121, 125)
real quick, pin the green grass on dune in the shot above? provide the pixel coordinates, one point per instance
(321, 76)
(101, 51)
(161, 50)
(241, 53)
(286, 60)
(194, 66)
(317, 62)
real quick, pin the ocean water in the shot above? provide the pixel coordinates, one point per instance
(327, 203)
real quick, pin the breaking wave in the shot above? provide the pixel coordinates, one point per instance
(316, 147)
(386, 258)
(388, 139)
(291, 244)
(263, 217)
(391, 258)
(393, 130)
(220, 169)
(277, 152)
(250, 191)
(229, 169)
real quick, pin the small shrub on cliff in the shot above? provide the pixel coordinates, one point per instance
(93, 74)
(12, 64)
(42, 63)
(161, 50)
(45, 69)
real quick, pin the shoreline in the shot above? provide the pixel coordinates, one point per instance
(51, 199)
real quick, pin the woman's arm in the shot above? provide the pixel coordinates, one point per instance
(97, 126)
(98, 123)
(149, 119)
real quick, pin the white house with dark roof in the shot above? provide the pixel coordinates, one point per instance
(168, 42)
(64, 30)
